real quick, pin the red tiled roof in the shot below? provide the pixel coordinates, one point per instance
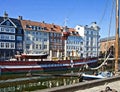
(47, 27)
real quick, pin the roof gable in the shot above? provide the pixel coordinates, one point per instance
(8, 22)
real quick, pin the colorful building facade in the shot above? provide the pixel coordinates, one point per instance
(11, 37)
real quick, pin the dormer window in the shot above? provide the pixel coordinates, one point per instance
(54, 26)
(42, 28)
(51, 29)
(73, 32)
(33, 27)
(77, 33)
(45, 28)
(30, 26)
(38, 28)
(27, 26)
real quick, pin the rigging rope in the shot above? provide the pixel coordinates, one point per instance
(105, 8)
(106, 58)
(113, 4)
(101, 64)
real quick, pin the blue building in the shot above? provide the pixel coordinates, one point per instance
(11, 37)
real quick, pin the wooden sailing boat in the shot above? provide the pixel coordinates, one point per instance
(117, 50)
(108, 74)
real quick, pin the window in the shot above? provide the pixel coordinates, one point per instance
(39, 33)
(6, 29)
(19, 45)
(42, 28)
(33, 33)
(33, 27)
(27, 46)
(27, 32)
(36, 39)
(27, 26)
(33, 46)
(45, 34)
(40, 46)
(36, 33)
(33, 39)
(2, 45)
(38, 28)
(78, 28)
(12, 45)
(28, 38)
(45, 40)
(2, 29)
(7, 45)
(12, 37)
(19, 38)
(45, 46)
(19, 31)
(2, 37)
(7, 37)
(87, 48)
(12, 30)
(51, 34)
(36, 46)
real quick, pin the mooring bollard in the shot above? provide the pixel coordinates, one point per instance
(108, 89)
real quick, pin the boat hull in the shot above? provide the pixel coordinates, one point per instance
(43, 66)
(91, 77)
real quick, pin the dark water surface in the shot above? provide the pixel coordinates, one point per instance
(40, 83)
(34, 83)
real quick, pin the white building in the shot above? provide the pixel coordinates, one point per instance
(90, 35)
(36, 39)
(36, 42)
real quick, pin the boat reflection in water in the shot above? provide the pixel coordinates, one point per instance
(39, 84)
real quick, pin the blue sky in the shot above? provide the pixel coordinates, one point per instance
(76, 12)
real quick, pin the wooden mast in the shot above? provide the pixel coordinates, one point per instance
(117, 36)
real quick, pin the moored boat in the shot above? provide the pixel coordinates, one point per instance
(100, 75)
(38, 66)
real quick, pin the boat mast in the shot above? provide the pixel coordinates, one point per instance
(117, 36)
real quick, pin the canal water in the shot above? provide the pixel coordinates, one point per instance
(37, 84)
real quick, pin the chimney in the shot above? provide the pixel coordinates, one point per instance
(65, 29)
(43, 21)
(20, 17)
(5, 15)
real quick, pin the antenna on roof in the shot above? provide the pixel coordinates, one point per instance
(65, 21)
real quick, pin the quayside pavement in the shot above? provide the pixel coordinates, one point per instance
(89, 86)
(114, 87)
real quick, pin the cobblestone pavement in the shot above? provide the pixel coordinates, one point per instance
(113, 85)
